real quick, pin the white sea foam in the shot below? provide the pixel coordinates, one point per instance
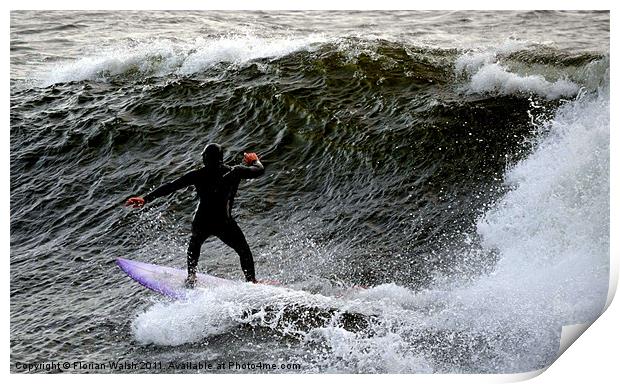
(486, 74)
(552, 228)
(552, 233)
(494, 78)
(213, 311)
(471, 61)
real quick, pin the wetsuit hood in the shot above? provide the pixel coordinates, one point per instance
(212, 155)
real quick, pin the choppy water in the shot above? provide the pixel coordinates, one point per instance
(457, 163)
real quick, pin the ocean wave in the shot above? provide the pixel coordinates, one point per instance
(551, 235)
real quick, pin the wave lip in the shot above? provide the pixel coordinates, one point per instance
(240, 50)
(166, 57)
(163, 57)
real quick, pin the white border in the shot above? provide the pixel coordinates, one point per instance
(594, 354)
(313, 4)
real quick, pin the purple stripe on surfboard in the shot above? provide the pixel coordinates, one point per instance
(165, 280)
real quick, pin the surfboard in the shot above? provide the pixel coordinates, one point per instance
(167, 281)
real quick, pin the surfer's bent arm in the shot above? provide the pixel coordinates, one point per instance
(251, 169)
(166, 189)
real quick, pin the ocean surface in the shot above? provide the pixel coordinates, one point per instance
(456, 164)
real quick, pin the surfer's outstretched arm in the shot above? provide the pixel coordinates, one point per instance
(165, 189)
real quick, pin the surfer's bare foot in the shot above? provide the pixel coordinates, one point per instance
(190, 282)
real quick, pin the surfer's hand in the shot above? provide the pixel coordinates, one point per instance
(135, 202)
(250, 158)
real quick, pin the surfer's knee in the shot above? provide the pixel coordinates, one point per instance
(193, 253)
(243, 250)
(193, 247)
(195, 243)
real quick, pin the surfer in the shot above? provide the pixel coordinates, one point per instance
(216, 185)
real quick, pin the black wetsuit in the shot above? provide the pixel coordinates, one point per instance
(216, 187)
